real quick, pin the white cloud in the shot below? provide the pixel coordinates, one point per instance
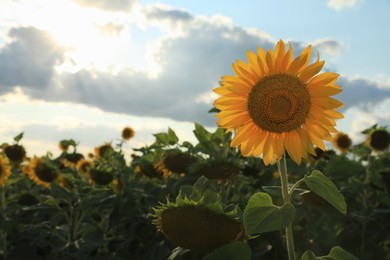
(328, 45)
(341, 4)
(108, 5)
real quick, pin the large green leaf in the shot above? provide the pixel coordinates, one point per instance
(261, 215)
(236, 250)
(325, 188)
(336, 253)
(172, 137)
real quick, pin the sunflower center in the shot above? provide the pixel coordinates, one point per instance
(279, 103)
(344, 142)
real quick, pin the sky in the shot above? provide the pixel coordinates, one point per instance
(85, 69)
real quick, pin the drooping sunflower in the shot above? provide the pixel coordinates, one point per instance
(83, 165)
(41, 172)
(15, 153)
(196, 225)
(378, 139)
(5, 169)
(175, 162)
(127, 133)
(99, 176)
(222, 169)
(342, 142)
(276, 103)
(100, 151)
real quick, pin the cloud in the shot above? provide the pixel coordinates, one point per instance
(30, 58)
(362, 93)
(108, 5)
(111, 29)
(341, 4)
(328, 45)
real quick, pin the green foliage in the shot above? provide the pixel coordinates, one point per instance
(236, 250)
(336, 253)
(261, 215)
(321, 185)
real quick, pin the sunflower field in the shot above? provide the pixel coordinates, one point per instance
(177, 200)
(263, 185)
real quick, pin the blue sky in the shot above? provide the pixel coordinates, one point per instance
(85, 69)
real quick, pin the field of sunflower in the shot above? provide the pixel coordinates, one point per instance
(262, 186)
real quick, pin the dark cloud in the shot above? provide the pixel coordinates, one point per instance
(361, 93)
(330, 46)
(160, 14)
(108, 5)
(30, 58)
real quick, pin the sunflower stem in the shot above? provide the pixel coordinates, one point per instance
(282, 167)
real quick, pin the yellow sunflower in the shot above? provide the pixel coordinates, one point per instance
(276, 103)
(5, 170)
(342, 142)
(127, 133)
(41, 172)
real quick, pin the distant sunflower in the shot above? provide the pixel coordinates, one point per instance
(15, 153)
(71, 159)
(128, 133)
(277, 104)
(174, 162)
(84, 165)
(342, 142)
(5, 170)
(378, 139)
(147, 169)
(217, 169)
(100, 177)
(64, 145)
(100, 151)
(41, 172)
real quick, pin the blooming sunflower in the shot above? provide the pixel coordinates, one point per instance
(378, 139)
(175, 162)
(127, 133)
(41, 172)
(342, 142)
(276, 103)
(5, 170)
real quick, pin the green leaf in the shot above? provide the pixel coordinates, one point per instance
(337, 253)
(172, 138)
(309, 255)
(342, 167)
(261, 215)
(201, 133)
(325, 188)
(162, 138)
(18, 137)
(236, 250)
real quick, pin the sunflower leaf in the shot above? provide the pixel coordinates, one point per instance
(325, 188)
(236, 250)
(336, 253)
(261, 215)
(172, 137)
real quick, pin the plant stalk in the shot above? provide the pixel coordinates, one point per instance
(282, 167)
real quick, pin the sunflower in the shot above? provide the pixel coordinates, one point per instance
(196, 225)
(276, 103)
(378, 139)
(83, 165)
(5, 170)
(101, 151)
(174, 162)
(100, 177)
(342, 142)
(222, 170)
(41, 172)
(128, 133)
(15, 153)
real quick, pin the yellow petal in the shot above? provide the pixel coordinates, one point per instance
(311, 70)
(287, 59)
(324, 78)
(301, 61)
(242, 134)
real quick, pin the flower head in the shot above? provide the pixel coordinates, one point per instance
(41, 171)
(175, 162)
(16, 153)
(342, 142)
(276, 103)
(128, 133)
(5, 170)
(378, 139)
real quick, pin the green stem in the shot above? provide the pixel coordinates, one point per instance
(282, 166)
(294, 187)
